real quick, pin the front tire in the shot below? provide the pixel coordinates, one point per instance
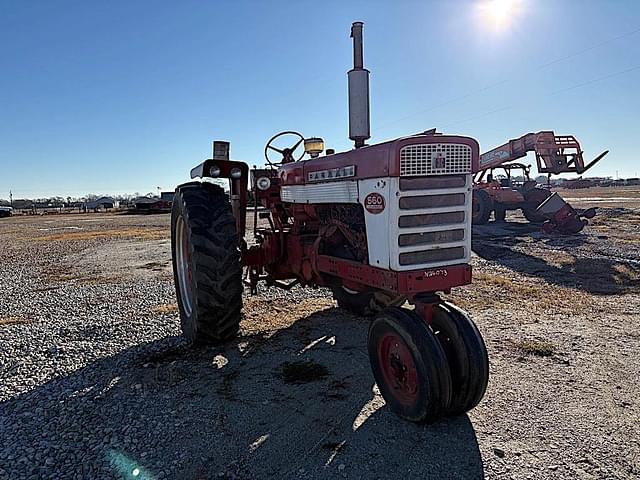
(466, 355)
(206, 263)
(409, 365)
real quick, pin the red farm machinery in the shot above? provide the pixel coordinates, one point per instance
(555, 154)
(379, 225)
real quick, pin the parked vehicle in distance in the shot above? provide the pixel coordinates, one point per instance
(6, 212)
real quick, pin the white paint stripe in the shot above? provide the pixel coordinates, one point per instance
(330, 192)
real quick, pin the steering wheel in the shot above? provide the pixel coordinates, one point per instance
(287, 153)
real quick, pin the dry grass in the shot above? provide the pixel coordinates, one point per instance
(155, 266)
(497, 290)
(265, 315)
(509, 286)
(165, 308)
(154, 233)
(626, 275)
(558, 258)
(540, 348)
(10, 232)
(620, 274)
(632, 191)
(59, 275)
(13, 320)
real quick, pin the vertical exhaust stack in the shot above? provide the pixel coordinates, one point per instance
(358, 91)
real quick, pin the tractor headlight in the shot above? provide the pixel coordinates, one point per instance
(235, 173)
(214, 171)
(263, 183)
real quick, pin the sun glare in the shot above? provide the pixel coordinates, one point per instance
(499, 14)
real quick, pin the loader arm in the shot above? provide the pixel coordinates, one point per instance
(554, 154)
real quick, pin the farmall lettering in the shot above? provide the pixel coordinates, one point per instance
(332, 174)
(374, 203)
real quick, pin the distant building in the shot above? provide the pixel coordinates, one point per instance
(579, 183)
(102, 203)
(167, 196)
(152, 205)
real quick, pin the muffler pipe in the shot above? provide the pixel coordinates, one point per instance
(359, 127)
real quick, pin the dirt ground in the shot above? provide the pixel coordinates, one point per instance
(97, 382)
(628, 197)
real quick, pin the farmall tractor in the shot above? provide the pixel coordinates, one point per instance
(380, 226)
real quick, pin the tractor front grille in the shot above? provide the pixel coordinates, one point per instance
(435, 159)
(434, 221)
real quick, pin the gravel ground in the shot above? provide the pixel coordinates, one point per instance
(97, 383)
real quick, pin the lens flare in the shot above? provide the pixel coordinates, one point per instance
(499, 14)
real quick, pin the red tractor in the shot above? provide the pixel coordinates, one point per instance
(555, 154)
(380, 225)
(499, 193)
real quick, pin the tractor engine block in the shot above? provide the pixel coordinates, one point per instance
(343, 231)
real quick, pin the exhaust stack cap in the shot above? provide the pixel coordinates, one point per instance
(359, 126)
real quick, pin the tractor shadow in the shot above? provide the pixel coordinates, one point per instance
(230, 412)
(592, 273)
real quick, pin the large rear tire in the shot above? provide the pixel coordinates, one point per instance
(206, 263)
(409, 365)
(481, 207)
(466, 354)
(533, 199)
(365, 304)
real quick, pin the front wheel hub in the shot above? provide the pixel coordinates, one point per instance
(398, 368)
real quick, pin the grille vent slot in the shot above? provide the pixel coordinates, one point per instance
(432, 256)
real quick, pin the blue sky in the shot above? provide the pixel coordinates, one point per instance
(125, 96)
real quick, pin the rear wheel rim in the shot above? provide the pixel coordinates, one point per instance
(398, 368)
(183, 264)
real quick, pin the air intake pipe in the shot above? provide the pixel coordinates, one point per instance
(358, 91)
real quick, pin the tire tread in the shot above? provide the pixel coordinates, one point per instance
(211, 227)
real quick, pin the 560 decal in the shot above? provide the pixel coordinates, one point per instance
(374, 203)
